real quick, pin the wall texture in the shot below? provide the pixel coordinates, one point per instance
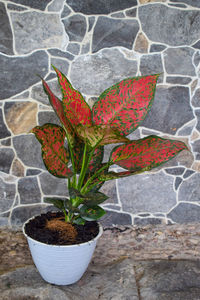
(96, 44)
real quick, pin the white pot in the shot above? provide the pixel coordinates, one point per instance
(61, 265)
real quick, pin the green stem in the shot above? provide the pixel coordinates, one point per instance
(84, 189)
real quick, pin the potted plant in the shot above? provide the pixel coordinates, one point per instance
(118, 111)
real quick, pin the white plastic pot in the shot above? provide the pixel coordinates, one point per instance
(61, 265)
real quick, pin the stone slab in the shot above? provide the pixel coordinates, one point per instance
(176, 27)
(168, 280)
(35, 30)
(33, 3)
(114, 281)
(6, 38)
(28, 66)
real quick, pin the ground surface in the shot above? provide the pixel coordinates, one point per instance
(149, 263)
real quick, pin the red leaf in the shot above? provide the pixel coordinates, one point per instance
(54, 154)
(75, 107)
(125, 104)
(96, 159)
(145, 154)
(58, 108)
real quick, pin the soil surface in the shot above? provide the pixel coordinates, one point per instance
(51, 228)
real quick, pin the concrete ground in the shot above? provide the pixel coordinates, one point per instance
(137, 263)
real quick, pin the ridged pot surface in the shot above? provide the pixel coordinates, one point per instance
(61, 265)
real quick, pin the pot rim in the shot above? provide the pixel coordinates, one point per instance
(63, 246)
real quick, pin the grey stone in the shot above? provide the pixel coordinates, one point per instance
(6, 38)
(35, 30)
(197, 113)
(187, 129)
(29, 190)
(196, 98)
(31, 172)
(190, 189)
(6, 142)
(115, 281)
(113, 207)
(28, 66)
(168, 280)
(196, 147)
(177, 183)
(109, 188)
(185, 213)
(47, 117)
(59, 53)
(7, 195)
(16, 7)
(178, 5)
(50, 76)
(115, 218)
(28, 150)
(150, 193)
(41, 5)
(39, 94)
(151, 64)
(89, 7)
(91, 22)
(177, 112)
(4, 132)
(66, 11)
(196, 45)
(174, 58)
(56, 5)
(73, 48)
(176, 27)
(118, 15)
(21, 214)
(147, 221)
(52, 185)
(188, 173)
(110, 33)
(197, 58)
(61, 64)
(175, 171)
(178, 80)
(131, 12)
(85, 48)
(100, 71)
(193, 3)
(6, 158)
(22, 96)
(75, 27)
(157, 48)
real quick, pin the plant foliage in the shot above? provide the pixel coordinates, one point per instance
(118, 111)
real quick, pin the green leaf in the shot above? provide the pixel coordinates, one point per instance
(57, 202)
(92, 199)
(91, 213)
(79, 221)
(100, 135)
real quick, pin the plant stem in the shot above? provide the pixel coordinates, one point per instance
(84, 189)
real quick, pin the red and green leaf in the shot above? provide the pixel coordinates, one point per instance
(96, 160)
(91, 213)
(75, 108)
(146, 153)
(100, 135)
(54, 155)
(125, 104)
(58, 108)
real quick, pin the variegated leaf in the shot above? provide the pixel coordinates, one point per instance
(145, 154)
(96, 160)
(125, 104)
(58, 108)
(76, 109)
(100, 135)
(54, 155)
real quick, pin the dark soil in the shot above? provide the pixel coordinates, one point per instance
(36, 229)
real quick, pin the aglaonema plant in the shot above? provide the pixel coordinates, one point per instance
(118, 111)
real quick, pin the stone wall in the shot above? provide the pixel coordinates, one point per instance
(96, 44)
